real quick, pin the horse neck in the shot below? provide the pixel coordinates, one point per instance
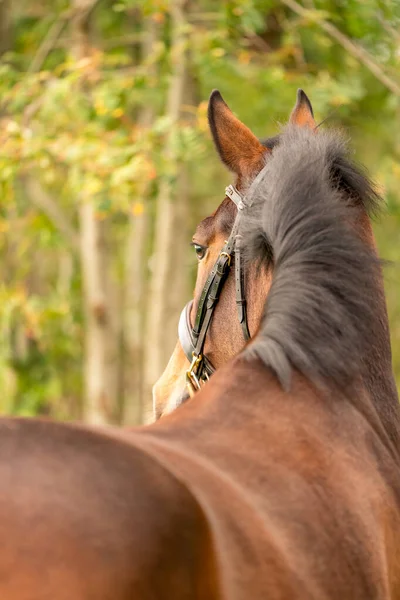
(378, 373)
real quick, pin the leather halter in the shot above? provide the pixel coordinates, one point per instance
(192, 339)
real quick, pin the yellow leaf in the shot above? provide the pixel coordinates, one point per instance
(339, 100)
(117, 112)
(202, 120)
(396, 170)
(218, 52)
(92, 186)
(100, 108)
(4, 226)
(137, 209)
(244, 57)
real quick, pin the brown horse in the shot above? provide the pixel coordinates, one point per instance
(244, 154)
(279, 479)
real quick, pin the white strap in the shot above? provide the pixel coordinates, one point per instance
(235, 196)
(241, 201)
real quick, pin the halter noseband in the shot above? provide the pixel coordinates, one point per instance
(192, 339)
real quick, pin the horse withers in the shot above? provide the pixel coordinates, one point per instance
(280, 477)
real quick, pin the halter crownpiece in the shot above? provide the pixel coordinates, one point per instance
(192, 339)
(235, 196)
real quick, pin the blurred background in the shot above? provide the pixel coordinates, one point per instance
(106, 166)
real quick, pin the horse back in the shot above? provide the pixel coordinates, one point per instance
(301, 490)
(86, 515)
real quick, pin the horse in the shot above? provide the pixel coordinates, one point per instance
(279, 477)
(244, 155)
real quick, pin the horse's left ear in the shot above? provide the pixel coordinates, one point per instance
(239, 149)
(302, 114)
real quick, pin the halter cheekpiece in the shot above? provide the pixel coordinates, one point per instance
(192, 339)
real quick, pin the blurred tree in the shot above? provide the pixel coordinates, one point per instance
(101, 331)
(171, 202)
(136, 305)
(106, 165)
(5, 26)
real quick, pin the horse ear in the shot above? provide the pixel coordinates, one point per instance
(237, 146)
(302, 114)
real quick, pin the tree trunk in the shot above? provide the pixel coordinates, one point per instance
(164, 265)
(113, 343)
(100, 364)
(102, 321)
(181, 256)
(134, 317)
(5, 26)
(136, 271)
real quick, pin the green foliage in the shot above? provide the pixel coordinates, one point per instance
(73, 125)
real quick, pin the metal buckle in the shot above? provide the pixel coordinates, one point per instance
(192, 380)
(229, 256)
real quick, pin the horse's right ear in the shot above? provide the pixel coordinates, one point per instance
(238, 147)
(302, 114)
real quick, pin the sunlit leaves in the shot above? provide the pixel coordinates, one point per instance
(75, 125)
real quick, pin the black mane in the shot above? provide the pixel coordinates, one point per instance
(349, 177)
(318, 309)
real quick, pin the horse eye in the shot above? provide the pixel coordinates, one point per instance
(200, 251)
